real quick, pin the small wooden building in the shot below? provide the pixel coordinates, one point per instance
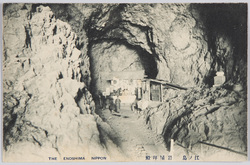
(127, 81)
(134, 85)
(152, 89)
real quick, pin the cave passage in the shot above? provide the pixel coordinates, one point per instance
(118, 55)
(148, 62)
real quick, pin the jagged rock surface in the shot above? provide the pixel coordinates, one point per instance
(128, 61)
(177, 37)
(217, 116)
(168, 33)
(42, 82)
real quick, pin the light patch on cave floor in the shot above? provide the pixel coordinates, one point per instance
(135, 139)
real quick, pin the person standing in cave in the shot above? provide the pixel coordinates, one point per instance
(108, 101)
(100, 100)
(117, 104)
(111, 105)
(103, 97)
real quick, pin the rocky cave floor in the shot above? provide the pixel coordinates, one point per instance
(186, 117)
(133, 137)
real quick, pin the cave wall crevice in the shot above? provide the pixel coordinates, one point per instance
(227, 38)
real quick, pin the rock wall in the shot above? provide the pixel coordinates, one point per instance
(42, 86)
(168, 33)
(110, 57)
(215, 116)
(165, 33)
(186, 43)
(176, 36)
(227, 38)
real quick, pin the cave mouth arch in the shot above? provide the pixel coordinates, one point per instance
(103, 52)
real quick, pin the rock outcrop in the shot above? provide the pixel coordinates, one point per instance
(163, 33)
(201, 116)
(42, 87)
(167, 32)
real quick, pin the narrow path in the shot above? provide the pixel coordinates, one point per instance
(135, 140)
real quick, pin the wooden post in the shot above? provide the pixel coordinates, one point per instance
(161, 94)
(149, 90)
(172, 147)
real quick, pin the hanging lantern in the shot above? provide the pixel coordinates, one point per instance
(115, 81)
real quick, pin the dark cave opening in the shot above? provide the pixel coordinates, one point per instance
(147, 60)
(225, 23)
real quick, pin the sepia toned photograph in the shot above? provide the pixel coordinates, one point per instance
(124, 82)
